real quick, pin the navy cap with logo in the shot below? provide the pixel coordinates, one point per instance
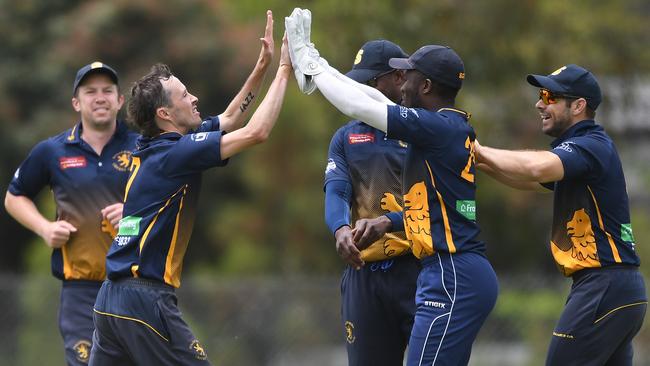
(438, 63)
(570, 80)
(372, 60)
(95, 67)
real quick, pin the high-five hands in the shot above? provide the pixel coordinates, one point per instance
(304, 56)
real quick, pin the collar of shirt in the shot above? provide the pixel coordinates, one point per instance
(163, 137)
(578, 129)
(74, 135)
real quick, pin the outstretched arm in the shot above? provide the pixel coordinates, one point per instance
(517, 184)
(519, 166)
(369, 91)
(259, 127)
(353, 102)
(346, 97)
(235, 115)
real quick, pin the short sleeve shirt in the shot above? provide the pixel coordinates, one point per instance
(591, 216)
(438, 180)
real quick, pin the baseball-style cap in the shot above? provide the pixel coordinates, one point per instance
(95, 67)
(372, 60)
(439, 63)
(570, 80)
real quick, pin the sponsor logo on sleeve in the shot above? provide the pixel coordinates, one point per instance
(566, 146)
(198, 137)
(403, 112)
(129, 226)
(626, 233)
(467, 208)
(331, 166)
(360, 138)
(67, 162)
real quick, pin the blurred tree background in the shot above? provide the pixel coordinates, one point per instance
(263, 214)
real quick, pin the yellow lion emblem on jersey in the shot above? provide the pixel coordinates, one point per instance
(583, 249)
(393, 246)
(416, 220)
(122, 160)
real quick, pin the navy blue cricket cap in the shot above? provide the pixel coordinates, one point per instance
(570, 80)
(95, 67)
(438, 63)
(372, 60)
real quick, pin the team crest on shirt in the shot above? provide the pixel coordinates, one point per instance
(82, 350)
(122, 160)
(360, 138)
(349, 332)
(197, 349)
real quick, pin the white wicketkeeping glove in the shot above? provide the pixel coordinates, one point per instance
(303, 57)
(305, 83)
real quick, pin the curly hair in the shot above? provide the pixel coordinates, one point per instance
(147, 95)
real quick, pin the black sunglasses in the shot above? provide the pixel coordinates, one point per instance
(373, 82)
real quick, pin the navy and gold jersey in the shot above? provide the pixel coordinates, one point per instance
(591, 215)
(83, 183)
(438, 180)
(160, 203)
(363, 157)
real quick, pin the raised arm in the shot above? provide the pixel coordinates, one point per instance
(369, 91)
(236, 113)
(353, 102)
(346, 97)
(259, 127)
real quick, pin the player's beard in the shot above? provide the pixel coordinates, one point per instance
(560, 123)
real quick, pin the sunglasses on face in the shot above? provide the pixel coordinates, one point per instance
(549, 97)
(373, 82)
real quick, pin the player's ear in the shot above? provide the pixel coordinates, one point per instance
(426, 86)
(163, 113)
(76, 104)
(578, 106)
(120, 101)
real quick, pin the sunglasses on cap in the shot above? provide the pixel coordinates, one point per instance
(373, 82)
(548, 97)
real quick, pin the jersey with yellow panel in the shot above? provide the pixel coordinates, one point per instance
(83, 183)
(438, 180)
(591, 215)
(363, 157)
(160, 203)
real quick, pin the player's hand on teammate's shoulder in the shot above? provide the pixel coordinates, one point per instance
(346, 248)
(57, 233)
(368, 231)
